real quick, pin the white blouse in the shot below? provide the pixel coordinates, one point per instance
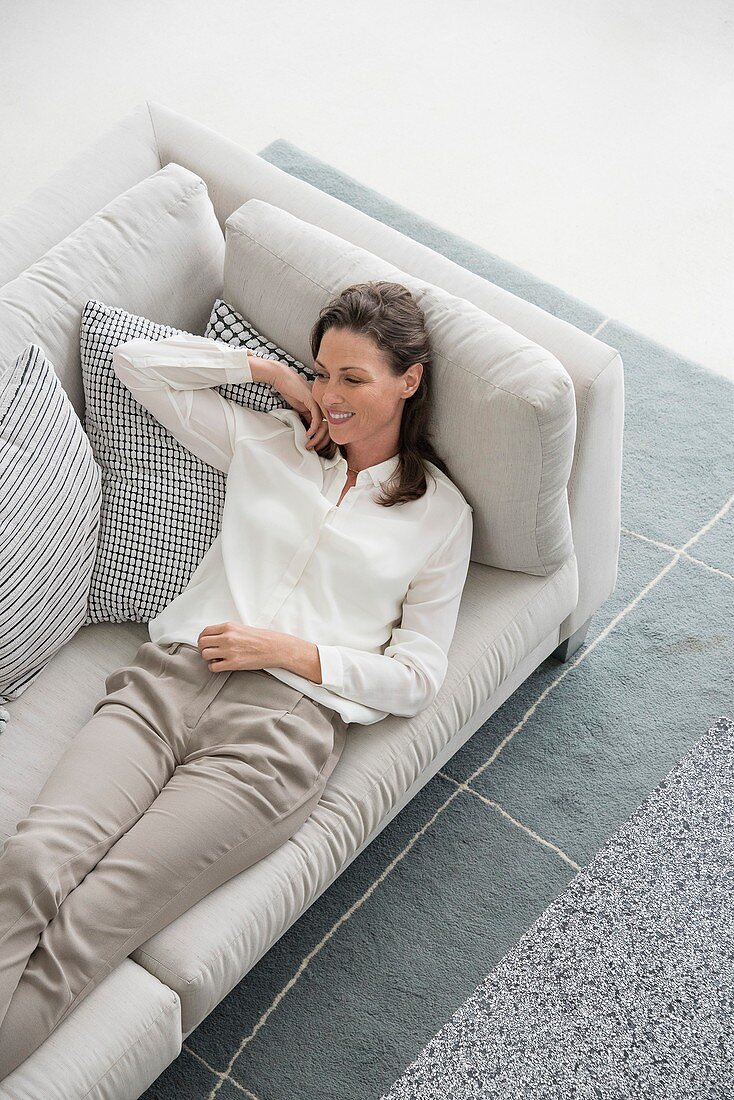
(376, 589)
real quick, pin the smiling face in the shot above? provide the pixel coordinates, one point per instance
(353, 377)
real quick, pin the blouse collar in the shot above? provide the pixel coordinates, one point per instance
(378, 473)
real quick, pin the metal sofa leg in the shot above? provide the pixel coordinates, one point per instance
(575, 641)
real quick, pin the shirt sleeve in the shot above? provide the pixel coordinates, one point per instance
(408, 675)
(173, 378)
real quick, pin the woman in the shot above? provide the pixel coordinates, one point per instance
(214, 745)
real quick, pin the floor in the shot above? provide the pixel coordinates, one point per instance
(597, 999)
(585, 142)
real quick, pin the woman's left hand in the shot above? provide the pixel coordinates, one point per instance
(229, 646)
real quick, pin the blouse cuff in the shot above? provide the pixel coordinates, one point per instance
(237, 369)
(332, 669)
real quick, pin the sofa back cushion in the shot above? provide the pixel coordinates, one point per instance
(156, 250)
(504, 413)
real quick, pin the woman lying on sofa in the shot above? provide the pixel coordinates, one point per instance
(329, 596)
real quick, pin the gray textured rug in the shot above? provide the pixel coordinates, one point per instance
(624, 987)
(350, 995)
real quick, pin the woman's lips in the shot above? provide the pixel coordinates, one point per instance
(340, 419)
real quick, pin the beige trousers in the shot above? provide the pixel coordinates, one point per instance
(181, 779)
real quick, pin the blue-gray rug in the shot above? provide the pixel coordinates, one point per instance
(624, 987)
(350, 995)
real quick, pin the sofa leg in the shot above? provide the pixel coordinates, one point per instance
(575, 641)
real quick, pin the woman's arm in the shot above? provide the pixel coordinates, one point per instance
(408, 675)
(173, 378)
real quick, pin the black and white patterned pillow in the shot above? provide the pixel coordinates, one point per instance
(229, 326)
(162, 504)
(49, 519)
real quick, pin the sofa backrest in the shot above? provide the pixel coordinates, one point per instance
(504, 415)
(156, 250)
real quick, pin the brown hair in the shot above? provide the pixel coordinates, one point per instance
(389, 314)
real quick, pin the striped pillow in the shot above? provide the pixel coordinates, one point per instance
(162, 504)
(49, 518)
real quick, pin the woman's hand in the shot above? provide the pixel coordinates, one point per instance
(229, 646)
(297, 392)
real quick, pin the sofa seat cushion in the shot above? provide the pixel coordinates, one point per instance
(115, 1043)
(52, 709)
(205, 952)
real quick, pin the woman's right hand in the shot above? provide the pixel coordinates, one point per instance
(297, 392)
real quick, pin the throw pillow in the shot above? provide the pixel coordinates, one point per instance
(162, 505)
(226, 324)
(49, 518)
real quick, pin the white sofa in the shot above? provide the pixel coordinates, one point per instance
(124, 1034)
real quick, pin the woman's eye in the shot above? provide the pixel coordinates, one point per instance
(320, 378)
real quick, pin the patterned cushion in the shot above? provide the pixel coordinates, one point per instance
(49, 518)
(162, 505)
(231, 327)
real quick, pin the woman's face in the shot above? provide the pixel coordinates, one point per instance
(353, 377)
